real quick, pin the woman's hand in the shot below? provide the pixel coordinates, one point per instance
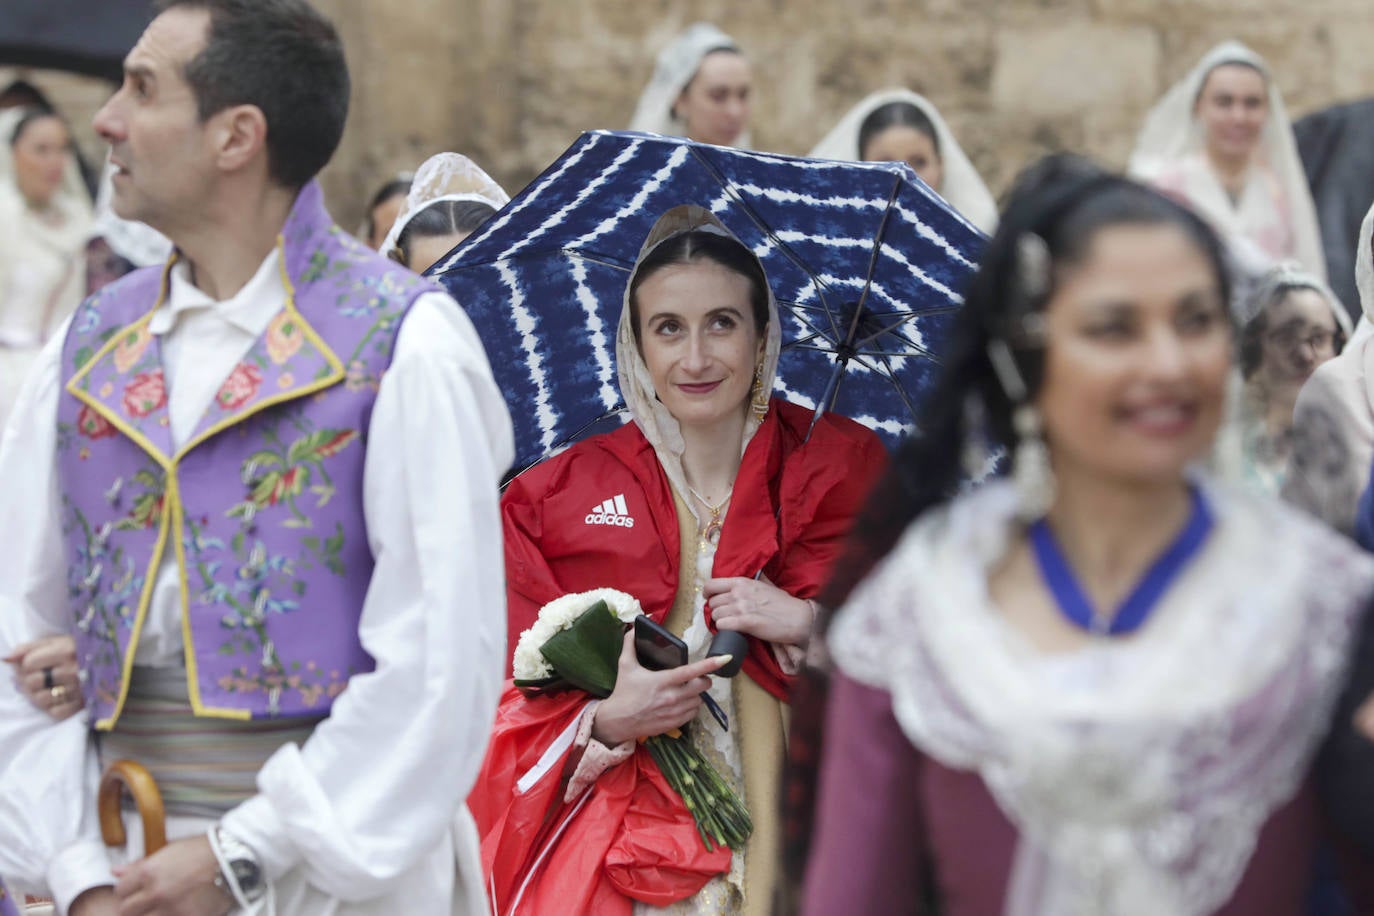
(45, 670)
(646, 703)
(760, 609)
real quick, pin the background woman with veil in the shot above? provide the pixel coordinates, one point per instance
(449, 198)
(45, 217)
(1333, 418)
(900, 125)
(702, 88)
(1220, 141)
(1069, 691)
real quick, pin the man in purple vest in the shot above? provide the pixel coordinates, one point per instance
(257, 487)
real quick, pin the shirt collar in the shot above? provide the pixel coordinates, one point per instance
(250, 309)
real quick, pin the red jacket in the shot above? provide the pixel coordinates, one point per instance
(794, 499)
(602, 515)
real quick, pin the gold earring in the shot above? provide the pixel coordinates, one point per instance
(758, 397)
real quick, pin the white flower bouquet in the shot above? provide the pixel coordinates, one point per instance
(575, 643)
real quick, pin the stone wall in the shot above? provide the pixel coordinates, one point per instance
(512, 82)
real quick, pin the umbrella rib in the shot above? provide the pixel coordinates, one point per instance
(886, 370)
(916, 313)
(887, 329)
(809, 324)
(802, 343)
(768, 232)
(913, 344)
(873, 257)
(916, 352)
(596, 259)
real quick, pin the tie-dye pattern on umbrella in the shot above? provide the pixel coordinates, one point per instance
(866, 262)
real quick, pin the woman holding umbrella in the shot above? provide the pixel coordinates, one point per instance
(1073, 691)
(724, 514)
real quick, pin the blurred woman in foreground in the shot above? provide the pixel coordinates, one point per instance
(1096, 687)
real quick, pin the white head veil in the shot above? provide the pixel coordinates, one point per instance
(1364, 266)
(445, 176)
(1172, 132)
(637, 386)
(676, 66)
(71, 199)
(961, 184)
(1290, 275)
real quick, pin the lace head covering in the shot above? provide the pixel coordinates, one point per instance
(1364, 266)
(961, 184)
(676, 66)
(659, 426)
(70, 200)
(1172, 132)
(445, 176)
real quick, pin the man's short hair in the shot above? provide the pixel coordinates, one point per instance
(284, 57)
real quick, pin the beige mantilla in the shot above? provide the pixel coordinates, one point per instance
(750, 754)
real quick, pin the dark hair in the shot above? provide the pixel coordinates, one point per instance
(393, 188)
(387, 191)
(284, 58)
(897, 114)
(20, 93)
(30, 116)
(1230, 63)
(1065, 201)
(446, 217)
(702, 245)
(1252, 334)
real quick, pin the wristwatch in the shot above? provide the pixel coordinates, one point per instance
(240, 873)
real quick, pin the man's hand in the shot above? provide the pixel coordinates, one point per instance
(177, 880)
(45, 670)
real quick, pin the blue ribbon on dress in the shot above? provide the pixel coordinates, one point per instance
(1136, 607)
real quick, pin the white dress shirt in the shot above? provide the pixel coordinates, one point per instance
(367, 816)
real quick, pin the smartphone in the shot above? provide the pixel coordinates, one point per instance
(657, 648)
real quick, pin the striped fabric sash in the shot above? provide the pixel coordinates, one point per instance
(204, 766)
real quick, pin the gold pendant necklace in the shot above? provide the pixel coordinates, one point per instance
(712, 532)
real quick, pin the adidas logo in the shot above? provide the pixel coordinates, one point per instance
(611, 512)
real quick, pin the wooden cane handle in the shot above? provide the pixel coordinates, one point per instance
(126, 774)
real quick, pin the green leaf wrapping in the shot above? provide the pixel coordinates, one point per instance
(587, 654)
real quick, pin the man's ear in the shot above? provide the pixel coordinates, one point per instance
(240, 134)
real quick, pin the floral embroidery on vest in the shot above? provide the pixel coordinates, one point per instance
(261, 507)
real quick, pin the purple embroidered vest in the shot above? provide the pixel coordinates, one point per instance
(9, 906)
(260, 509)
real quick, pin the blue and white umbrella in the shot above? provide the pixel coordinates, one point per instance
(866, 262)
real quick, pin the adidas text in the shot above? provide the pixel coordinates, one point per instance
(611, 512)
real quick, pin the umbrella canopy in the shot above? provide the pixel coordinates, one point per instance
(867, 264)
(79, 36)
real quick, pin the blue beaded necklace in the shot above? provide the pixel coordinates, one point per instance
(1134, 610)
